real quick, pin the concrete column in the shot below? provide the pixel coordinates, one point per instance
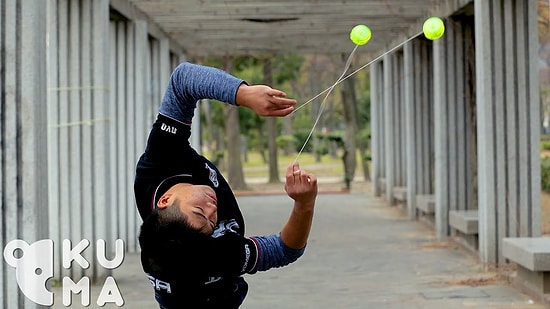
(142, 118)
(389, 131)
(73, 126)
(393, 123)
(121, 105)
(112, 111)
(508, 123)
(418, 94)
(59, 127)
(400, 139)
(377, 129)
(131, 82)
(24, 148)
(455, 143)
(53, 134)
(10, 149)
(164, 65)
(157, 88)
(86, 111)
(78, 130)
(101, 130)
(441, 124)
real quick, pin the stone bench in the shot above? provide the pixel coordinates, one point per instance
(399, 195)
(532, 255)
(466, 221)
(382, 183)
(426, 203)
(466, 225)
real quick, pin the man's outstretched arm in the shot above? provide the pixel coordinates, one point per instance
(191, 82)
(302, 188)
(286, 247)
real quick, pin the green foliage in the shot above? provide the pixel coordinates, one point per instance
(364, 134)
(284, 140)
(545, 145)
(367, 157)
(337, 137)
(217, 157)
(545, 174)
(300, 136)
(301, 77)
(286, 68)
(249, 120)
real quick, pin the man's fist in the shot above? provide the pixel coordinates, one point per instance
(264, 100)
(299, 185)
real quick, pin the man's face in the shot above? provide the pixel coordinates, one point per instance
(198, 203)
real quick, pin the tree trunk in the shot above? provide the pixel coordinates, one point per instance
(261, 142)
(362, 144)
(349, 103)
(315, 107)
(271, 124)
(213, 142)
(235, 175)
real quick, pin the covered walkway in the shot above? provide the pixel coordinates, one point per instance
(362, 253)
(455, 122)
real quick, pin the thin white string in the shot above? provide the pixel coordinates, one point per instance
(321, 109)
(356, 71)
(341, 79)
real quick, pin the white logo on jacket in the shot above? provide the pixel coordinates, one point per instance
(213, 175)
(169, 129)
(225, 227)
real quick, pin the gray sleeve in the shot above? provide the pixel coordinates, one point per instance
(272, 252)
(190, 83)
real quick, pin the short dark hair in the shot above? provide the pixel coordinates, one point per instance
(165, 237)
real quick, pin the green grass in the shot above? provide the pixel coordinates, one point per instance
(329, 166)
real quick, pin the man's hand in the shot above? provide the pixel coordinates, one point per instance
(299, 185)
(264, 100)
(302, 188)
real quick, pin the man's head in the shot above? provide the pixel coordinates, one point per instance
(196, 203)
(184, 218)
(168, 241)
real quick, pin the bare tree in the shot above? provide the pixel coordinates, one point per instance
(235, 172)
(349, 103)
(271, 124)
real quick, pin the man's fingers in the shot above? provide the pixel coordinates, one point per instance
(291, 169)
(285, 102)
(276, 93)
(282, 101)
(281, 112)
(311, 179)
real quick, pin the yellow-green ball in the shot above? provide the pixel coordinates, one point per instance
(433, 28)
(360, 34)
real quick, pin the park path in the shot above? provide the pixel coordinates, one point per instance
(362, 253)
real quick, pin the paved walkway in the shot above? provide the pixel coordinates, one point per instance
(362, 253)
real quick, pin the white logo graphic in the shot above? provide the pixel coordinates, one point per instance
(213, 175)
(169, 129)
(34, 262)
(33, 267)
(224, 227)
(159, 284)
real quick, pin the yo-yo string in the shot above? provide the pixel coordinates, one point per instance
(341, 79)
(322, 107)
(356, 71)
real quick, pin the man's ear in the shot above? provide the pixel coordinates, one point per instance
(163, 201)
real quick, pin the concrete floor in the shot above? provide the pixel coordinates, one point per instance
(362, 253)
